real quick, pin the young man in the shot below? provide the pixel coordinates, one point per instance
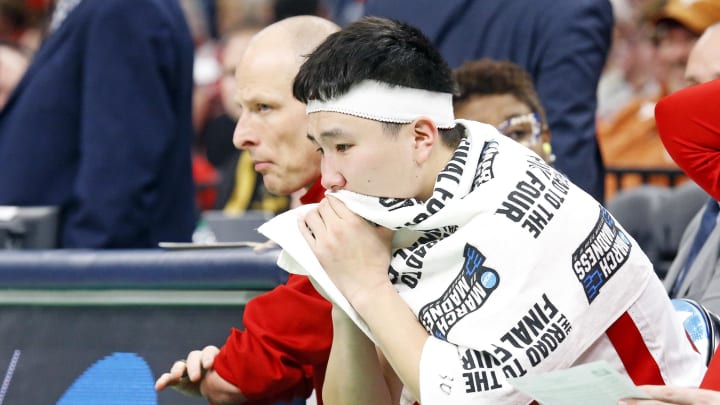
(283, 351)
(498, 266)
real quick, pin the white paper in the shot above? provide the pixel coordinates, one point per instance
(588, 384)
(8, 212)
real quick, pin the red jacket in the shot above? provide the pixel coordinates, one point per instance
(284, 349)
(689, 125)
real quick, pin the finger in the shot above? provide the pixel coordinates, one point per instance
(341, 212)
(305, 231)
(194, 366)
(208, 356)
(338, 207)
(162, 382)
(314, 223)
(178, 369)
(670, 395)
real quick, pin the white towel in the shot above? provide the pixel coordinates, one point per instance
(508, 264)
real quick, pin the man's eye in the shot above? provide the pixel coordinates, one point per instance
(263, 107)
(342, 147)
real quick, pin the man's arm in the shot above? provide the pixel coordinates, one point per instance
(363, 382)
(356, 256)
(286, 342)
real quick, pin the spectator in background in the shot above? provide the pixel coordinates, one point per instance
(690, 130)
(218, 132)
(100, 125)
(629, 72)
(22, 22)
(13, 63)
(563, 44)
(233, 13)
(502, 95)
(630, 140)
(14, 16)
(283, 351)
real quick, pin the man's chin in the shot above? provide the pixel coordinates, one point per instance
(287, 184)
(276, 187)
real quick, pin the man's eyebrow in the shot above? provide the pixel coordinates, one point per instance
(331, 133)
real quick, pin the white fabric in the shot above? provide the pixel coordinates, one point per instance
(511, 267)
(381, 102)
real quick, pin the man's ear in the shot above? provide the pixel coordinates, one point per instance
(425, 136)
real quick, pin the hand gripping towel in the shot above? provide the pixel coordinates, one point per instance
(510, 268)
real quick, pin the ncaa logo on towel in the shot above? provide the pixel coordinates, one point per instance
(601, 254)
(465, 295)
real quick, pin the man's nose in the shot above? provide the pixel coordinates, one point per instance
(244, 137)
(331, 178)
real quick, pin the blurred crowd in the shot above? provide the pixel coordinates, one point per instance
(650, 44)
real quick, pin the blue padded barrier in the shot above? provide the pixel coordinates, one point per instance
(225, 269)
(67, 314)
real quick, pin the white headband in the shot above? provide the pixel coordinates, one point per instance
(379, 101)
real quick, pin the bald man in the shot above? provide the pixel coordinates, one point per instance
(283, 351)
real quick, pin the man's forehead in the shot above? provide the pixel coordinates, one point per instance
(262, 75)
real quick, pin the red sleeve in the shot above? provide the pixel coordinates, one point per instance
(689, 125)
(712, 376)
(287, 336)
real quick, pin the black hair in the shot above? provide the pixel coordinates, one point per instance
(379, 49)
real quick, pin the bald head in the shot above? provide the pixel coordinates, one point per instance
(296, 36)
(704, 61)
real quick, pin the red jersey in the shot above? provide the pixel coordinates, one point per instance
(283, 352)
